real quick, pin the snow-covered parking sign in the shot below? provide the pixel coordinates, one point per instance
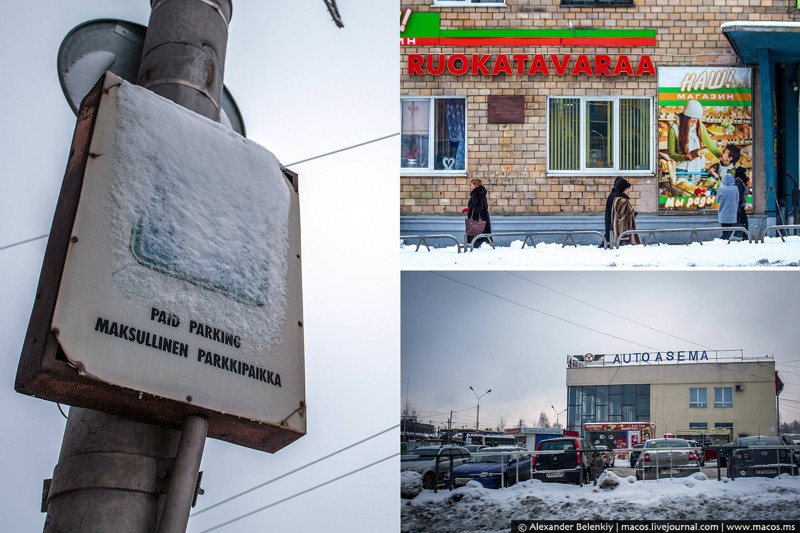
(182, 276)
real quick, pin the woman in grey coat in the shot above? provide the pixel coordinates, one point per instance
(728, 200)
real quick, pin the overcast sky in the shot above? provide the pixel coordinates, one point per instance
(491, 330)
(304, 88)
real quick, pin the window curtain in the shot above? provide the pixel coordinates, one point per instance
(564, 133)
(454, 110)
(634, 127)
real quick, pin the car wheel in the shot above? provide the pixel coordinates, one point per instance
(506, 480)
(429, 481)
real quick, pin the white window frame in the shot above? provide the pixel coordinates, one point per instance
(723, 404)
(583, 171)
(698, 404)
(416, 171)
(468, 3)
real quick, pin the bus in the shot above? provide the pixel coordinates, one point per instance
(491, 439)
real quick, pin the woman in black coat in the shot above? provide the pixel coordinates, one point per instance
(609, 204)
(478, 208)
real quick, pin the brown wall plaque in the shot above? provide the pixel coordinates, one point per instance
(506, 109)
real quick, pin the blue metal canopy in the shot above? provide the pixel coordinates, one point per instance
(766, 44)
(782, 39)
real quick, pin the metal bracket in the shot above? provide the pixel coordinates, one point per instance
(45, 494)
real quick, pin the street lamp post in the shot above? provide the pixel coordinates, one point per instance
(478, 415)
(558, 413)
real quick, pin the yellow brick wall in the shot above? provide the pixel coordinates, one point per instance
(511, 158)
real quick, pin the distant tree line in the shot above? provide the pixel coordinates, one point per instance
(790, 427)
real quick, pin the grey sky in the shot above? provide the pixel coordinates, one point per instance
(492, 337)
(304, 88)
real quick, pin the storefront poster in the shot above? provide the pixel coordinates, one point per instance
(724, 95)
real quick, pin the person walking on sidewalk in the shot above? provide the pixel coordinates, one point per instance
(478, 208)
(728, 200)
(740, 178)
(623, 216)
(609, 205)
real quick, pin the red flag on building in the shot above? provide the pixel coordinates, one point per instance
(778, 384)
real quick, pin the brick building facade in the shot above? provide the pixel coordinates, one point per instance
(516, 159)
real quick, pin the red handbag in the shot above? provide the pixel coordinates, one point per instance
(474, 227)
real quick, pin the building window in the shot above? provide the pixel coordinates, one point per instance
(595, 3)
(723, 396)
(698, 425)
(468, 3)
(697, 397)
(599, 135)
(607, 403)
(433, 135)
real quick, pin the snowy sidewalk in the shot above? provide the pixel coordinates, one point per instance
(718, 253)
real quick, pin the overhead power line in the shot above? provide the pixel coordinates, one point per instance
(343, 149)
(571, 322)
(607, 311)
(13, 244)
(529, 308)
(273, 504)
(248, 491)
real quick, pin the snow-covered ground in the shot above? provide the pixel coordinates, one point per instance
(772, 252)
(475, 509)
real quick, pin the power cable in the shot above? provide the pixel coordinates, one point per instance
(273, 504)
(570, 321)
(342, 149)
(542, 312)
(23, 242)
(285, 166)
(292, 472)
(607, 311)
(62, 411)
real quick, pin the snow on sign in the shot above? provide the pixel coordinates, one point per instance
(182, 276)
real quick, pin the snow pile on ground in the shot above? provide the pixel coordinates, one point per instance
(772, 252)
(410, 484)
(475, 509)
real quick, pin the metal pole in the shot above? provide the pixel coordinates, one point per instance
(107, 475)
(111, 470)
(183, 481)
(478, 416)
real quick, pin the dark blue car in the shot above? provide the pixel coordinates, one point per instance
(493, 468)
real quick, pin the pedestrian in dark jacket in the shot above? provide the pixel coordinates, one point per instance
(478, 208)
(622, 214)
(740, 178)
(728, 200)
(609, 205)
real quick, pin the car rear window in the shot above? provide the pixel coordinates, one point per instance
(755, 441)
(550, 446)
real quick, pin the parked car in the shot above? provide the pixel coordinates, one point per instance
(475, 447)
(496, 467)
(666, 458)
(637, 449)
(607, 454)
(760, 456)
(697, 450)
(789, 441)
(423, 460)
(571, 459)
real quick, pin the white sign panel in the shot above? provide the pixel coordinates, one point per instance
(183, 278)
